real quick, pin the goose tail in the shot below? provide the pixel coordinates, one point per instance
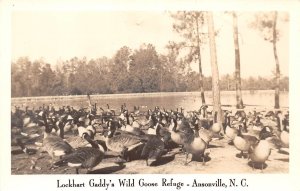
(61, 162)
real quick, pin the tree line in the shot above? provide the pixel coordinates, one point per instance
(145, 70)
(138, 71)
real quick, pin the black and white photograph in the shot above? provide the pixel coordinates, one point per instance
(149, 91)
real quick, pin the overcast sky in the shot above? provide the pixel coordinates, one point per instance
(62, 35)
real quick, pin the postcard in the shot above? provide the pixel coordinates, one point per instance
(153, 95)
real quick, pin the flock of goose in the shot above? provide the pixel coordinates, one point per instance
(80, 138)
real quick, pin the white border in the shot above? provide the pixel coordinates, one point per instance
(288, 181)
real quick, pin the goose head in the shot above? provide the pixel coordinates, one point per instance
(216, 127)
(203, 111)
(265, 133)
(93, 143)
(69, 119)
(227, 118)
(108, 134)
(239, 130)
(173, 125)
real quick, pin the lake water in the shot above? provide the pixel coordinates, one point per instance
(187, 100)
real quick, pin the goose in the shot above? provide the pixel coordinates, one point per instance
(80, 141)
(198, 126)
(281, 132)
(153, 149)
(204, 130)
(83, 157)
(203, 111)
(254, 128)
(109, 111)
(152, 130)
(180, 134)
(60, 124)
(205, 134)
(265, 133)
(106, 114)
(230, 132)
(260, 151)
(130, 128)
(20, 139)
(68, 124)
(135, 123)
(268, 121)
(284, 137)
(273, 139)
(206, 120)
(152, 120)
(163, 133)
(165, 118)
(216, 127)
(16, 118)
(283, 124)
(194, 145)
(136, 110)
(122, 143)
(286, 122)
(28, 118)
(54, 145)
(123, 108)
(240, 115)
(242, 142)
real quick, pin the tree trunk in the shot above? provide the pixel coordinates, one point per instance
(277, 62)
(214, 68)
(199, 61)
(239, 101)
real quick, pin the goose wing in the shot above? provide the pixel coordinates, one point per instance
(153, 148)
(56, 145)
(85, 157)
(124, 140)
(77, 142)
(252, 140)
(275, 142)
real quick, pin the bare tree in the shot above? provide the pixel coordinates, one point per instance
(214, 69)
(188, 25)
(266, 23)
(276, 60)
(239, 100)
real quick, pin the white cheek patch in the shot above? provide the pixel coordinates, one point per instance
(25, 150)
(101, 148)
(88, 145)
(74, 164)
(171, 126)
(59, 153)
(257, 128)
(93, 130)
(38, 144)
(34, 135)
(24, 134)
(151, 131)
(134, 146)
(81, 130)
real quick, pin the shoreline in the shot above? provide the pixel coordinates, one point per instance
(150, 94)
